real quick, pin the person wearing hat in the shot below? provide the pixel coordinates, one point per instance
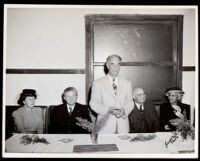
(173, 109)
(27, 118)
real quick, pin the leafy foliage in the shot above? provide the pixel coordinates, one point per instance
(26, 139)
(92, 127)
(142, 137)
(182, 124)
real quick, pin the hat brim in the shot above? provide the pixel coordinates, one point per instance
(175, 91)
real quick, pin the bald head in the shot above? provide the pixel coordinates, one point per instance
(139, 95)
(113, 64)
(114, 56)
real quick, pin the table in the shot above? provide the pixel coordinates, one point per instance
(154, 146)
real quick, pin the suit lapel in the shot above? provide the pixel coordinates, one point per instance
(65, 109)
(136, 109)
(75, 109)
(135, 113)
(119, 86)
(109, 85)
(145, 107)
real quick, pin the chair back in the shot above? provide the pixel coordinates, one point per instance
(50, 116)
(45, 118)
(10, 127)
(157, 108)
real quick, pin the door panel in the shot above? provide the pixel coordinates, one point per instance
(150, 47)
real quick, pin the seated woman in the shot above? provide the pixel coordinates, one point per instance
(173, 109)
(28, 118)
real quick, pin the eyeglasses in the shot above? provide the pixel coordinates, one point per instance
(142, 94)
(173, 95)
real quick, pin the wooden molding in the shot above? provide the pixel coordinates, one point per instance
(45, 71)
(188, 68)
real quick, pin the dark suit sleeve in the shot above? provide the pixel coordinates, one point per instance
(188, 112)
(55, 127)
(152, 118)
(53, 122)
(163, 119)
(87, 113)
(187, 109)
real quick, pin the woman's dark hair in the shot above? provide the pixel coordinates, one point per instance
(24, 94)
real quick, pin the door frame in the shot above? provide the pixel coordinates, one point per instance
(95, 19)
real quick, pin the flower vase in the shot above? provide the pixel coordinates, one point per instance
(192, 135)
(184, 135)
(94, 137)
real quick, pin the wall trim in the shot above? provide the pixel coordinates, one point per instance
(65, 71)
(188, 68)
(45, 71)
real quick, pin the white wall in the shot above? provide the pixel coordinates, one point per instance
(45, 38)
(55, 38)
(49, 87)
(189, 89)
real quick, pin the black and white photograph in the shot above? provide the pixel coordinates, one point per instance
(100, 81)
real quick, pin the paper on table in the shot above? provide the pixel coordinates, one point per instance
(186, 151)
(68, 140)
(124, 137)
(95, 148)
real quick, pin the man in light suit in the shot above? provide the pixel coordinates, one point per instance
(113, 94)
(143, 119)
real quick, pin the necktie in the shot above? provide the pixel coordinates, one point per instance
(141, 110)
(114, 86)
(70, 110)
(115, 89)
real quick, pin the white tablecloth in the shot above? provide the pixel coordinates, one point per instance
(155, 146)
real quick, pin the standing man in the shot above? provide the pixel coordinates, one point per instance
(143, 118)
(112, 94)
(64, 116)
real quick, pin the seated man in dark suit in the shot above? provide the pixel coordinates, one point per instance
(143, 118)
(64, 116)
(173, 109)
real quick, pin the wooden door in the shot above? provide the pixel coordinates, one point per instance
(150, 47)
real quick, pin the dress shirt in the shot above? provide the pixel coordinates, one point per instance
(69, 107)
(111, 79)
(139, 105)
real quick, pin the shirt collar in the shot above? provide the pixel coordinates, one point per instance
(138, 105)
(111, 79)
(28, 109)
(71, 107)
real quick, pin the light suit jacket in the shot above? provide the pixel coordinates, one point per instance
(103, 96)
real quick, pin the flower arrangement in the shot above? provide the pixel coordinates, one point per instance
(172, 139)
(92, 127)
(26, 139)
(141, 137)
(183, 126)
